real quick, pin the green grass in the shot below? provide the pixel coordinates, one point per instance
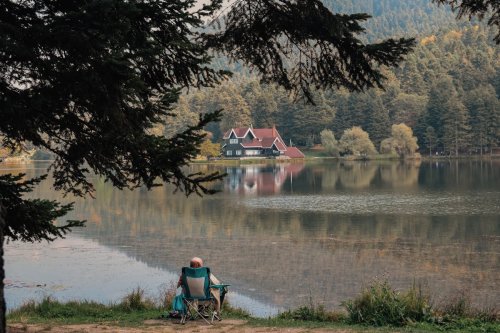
(381, 305)
(378, 308)
(80, 312)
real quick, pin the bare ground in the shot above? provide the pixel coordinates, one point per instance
(163, 326)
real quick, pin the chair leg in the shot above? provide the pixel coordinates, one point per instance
(191, 307)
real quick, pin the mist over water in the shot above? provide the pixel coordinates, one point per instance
(282, 235)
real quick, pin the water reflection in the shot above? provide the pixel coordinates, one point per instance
(260, 179)
(318, 230)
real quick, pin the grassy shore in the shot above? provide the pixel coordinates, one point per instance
(378, 307)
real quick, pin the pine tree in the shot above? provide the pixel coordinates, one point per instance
(484, 110)
(377, 122)
(437, 107)
(456, 127)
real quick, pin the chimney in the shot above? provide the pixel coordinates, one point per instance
(275, 134)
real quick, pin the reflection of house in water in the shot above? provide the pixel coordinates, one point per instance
(261, 179)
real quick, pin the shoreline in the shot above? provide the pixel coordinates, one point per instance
(137, 314)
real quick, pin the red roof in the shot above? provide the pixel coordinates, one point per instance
(255, 143)
(280, 145)
(265, 132)
(264, 138)
(294, 152)
(267, 142)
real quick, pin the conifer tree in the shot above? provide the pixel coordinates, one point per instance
(484, 110)
(377, 120)
(456, 129)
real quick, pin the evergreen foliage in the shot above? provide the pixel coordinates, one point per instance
(301, 44)
(478, 8)
(460, 65)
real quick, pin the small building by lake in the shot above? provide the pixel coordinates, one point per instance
(248, 142)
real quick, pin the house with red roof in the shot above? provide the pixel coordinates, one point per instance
(248, 142)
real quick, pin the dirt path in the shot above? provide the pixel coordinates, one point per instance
(162, 326)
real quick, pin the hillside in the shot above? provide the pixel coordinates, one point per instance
(452, 79)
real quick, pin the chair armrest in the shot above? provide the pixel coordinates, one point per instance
(219, 286)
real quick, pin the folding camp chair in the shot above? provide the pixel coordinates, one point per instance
(196, 283)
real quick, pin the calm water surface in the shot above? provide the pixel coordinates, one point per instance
(281, 235)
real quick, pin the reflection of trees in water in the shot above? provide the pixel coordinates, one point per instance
(323, 255)
(273, 251)
(400, 174)
(357, 175)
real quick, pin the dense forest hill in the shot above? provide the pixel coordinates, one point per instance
(398, 18)
(447, 91)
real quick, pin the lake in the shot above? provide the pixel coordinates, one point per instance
(283, 235)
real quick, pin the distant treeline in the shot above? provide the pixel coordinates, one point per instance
(446, 91)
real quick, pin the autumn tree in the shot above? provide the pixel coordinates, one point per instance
(355, 141)
(209, 149)
(402, 140)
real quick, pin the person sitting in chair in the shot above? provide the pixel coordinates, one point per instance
(216, 293)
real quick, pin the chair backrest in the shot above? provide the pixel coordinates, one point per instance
(196, 283)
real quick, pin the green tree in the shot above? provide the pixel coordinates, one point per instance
(329, 142)
(87, 80)
(235, 110)
(407, 108)
(181, 119)
(456, 129)
(478, 8)
(355, 141)
(430, 138)
(484, 110)
(262, 103)
(437, 106)
(377, 120)
(307, 119)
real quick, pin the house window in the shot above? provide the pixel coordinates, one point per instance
(233, 141)
(252, 152)
(229, 153)
(238, 152)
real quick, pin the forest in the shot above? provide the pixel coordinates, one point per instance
(446, 90)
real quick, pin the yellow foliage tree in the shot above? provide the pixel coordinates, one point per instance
(356, 142)
(209, 149)
(403, 141)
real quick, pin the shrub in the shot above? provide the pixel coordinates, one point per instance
(381, 305)
(136, 301)
(329, 142)
(312, 312)
(166, 294)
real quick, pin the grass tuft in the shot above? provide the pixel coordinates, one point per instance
(136, 301)
(312, 312)
(380, 305)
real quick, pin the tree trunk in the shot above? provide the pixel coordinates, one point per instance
(2, 274)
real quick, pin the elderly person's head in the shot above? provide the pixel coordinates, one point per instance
(196, 262)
